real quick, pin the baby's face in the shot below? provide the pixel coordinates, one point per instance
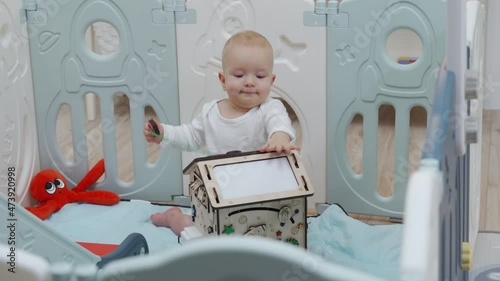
(247, 76)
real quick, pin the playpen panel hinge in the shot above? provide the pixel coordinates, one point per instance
(174, 11)
(326, 13)
(31, 13)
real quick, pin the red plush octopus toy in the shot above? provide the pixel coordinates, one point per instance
(50, 189)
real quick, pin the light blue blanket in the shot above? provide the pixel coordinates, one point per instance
(111, 225)
(347, 241)
(333, 235)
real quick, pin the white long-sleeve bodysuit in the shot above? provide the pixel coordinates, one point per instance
(219, 135)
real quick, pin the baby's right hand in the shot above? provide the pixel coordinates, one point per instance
(149, 136)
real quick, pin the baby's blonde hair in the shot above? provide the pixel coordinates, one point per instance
(247, 38)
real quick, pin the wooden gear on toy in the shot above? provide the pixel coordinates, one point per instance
(252, 193)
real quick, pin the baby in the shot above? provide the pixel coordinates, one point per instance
(247, 120)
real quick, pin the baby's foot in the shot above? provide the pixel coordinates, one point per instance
(165, 218)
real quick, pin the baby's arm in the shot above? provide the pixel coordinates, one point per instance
(279, 142)
(279, 125)
(186, 136)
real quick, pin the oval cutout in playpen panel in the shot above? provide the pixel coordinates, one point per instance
(64, 133)
(404, 46)
(354, 144)
(385, 151)
(102, 38)
(152, 149)
(416, 139)
(123, 135)
(94, 133)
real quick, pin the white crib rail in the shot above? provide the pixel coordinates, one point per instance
(211, 259)
(420, 245)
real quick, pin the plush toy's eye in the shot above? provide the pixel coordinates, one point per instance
(59, 183)
(50, 188)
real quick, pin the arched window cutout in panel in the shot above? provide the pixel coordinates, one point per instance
(418, 129)
(123, 135)
(152, 149)
(64, 132)
(354, 144)
(94, 134)
(386, 145)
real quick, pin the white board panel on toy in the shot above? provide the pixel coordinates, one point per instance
(143, 68)
(18, 140)
(275, 175)
(300, 67)
(361, 78)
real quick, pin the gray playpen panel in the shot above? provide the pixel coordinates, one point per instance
(361, 78)
(144, 68)
(26, 232)
(454, 209)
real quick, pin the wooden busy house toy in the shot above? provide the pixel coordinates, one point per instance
(251, 193)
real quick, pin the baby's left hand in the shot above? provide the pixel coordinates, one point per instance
(279, 142)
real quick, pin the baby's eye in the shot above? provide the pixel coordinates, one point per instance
(261, 76)
(238, 75)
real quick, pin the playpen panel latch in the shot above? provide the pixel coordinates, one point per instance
(340, 20)
(471, 84)
(326, 13)
(174, 11)
(471, 129)
(31, 13)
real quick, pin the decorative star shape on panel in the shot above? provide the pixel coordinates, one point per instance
(345, 54)
(157, 50)
(289, 52)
